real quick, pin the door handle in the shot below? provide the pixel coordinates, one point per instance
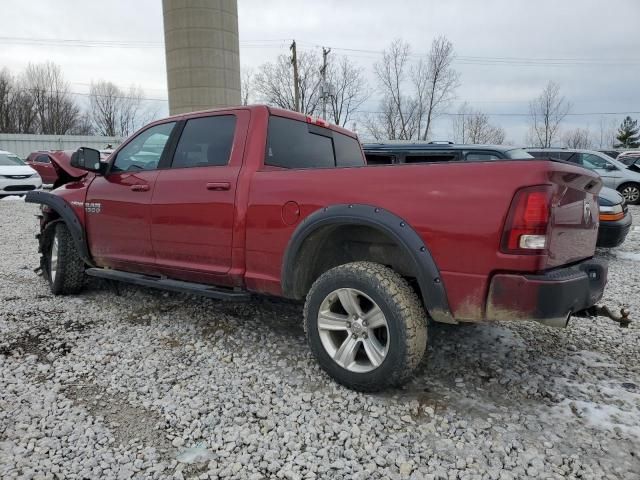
(139, 188)
(218, 186)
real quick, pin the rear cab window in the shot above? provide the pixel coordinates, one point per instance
(294, 144)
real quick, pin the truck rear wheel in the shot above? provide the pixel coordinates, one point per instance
(365, 326)
(64, 267)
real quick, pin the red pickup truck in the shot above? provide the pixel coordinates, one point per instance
(226, 203)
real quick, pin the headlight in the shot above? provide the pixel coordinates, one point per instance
(611, 213)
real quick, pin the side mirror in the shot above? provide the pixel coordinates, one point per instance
(610, 167)
(86, 158)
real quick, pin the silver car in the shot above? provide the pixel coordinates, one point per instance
(614, 174)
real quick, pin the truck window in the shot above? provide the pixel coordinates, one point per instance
(205, 142)
(291, 144)
(43, 159)
(348, 151)
(145, 150)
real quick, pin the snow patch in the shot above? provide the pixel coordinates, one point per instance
(12, 198)
(197, 454)
(635, 256)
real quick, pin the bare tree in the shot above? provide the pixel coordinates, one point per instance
(115, 112)
(6, 92)
(56, 111)
(246, 86)
(84, 125)
(273, 83)
(577, 138)
(396, 121)
(412, 97)
(348, 90)
(547, 112)
(17, 112)
(435, 82)
(23, 113)
(473, 126)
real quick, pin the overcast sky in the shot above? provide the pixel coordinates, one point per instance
(590, 47)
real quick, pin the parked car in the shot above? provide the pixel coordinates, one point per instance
(615, 218)
(630, 158)
(16, 177)
(423, 152)
(614, 173)
(40, 161)
(262, 200)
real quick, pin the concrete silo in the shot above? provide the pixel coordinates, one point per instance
(202, 51)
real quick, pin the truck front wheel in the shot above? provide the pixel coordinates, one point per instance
(63, 265)
(365, 326)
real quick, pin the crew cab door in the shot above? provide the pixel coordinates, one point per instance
(118, 205)
(193, 211)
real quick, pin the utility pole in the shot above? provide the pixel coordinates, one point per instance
(323, 73)
(296, 80)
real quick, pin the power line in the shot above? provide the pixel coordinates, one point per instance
(277, 43)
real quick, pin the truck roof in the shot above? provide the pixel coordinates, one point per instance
(281, 112)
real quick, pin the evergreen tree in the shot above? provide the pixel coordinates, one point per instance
(628, 134)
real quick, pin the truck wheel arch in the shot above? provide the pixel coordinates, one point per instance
(66, 214)
(301, 262)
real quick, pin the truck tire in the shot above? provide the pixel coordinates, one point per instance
(366, 326)
(63, 266)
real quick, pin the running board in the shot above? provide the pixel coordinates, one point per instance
(169, 284)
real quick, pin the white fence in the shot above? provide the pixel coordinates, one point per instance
(23, 144)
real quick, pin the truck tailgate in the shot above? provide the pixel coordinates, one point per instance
(573, 230)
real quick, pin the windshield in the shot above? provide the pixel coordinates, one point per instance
(518, 153)
(9, 160)
(629, 160)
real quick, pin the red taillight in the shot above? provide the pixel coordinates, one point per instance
(525, 230)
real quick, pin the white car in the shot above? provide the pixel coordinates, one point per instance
(16, 177)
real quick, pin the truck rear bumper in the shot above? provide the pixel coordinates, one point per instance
(549, 298)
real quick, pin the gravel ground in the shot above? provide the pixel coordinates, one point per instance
(145, 384)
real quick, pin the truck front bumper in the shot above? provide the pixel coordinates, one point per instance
(550, 297)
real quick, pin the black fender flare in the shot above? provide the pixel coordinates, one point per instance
(66, 213)
(427, 274)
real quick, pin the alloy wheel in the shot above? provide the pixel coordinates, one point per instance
(631, 193)
(353, 330)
